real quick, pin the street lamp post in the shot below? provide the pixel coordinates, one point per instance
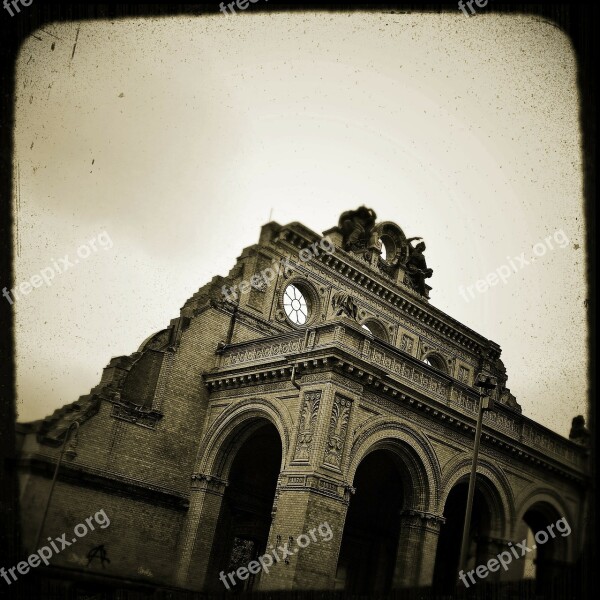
(71, 453)
(485, 385)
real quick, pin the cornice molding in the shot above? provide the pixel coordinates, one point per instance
(384, 384)
(405, 300)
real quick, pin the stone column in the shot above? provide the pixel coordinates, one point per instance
(417, 546)
(312, 493)
(198, 532)
(309, 511)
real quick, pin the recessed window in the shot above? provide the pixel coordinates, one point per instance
(295, 306)
(375, 328)
(388, 247)
(383, 250)
(434, 361)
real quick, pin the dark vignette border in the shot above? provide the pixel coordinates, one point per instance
(576, 20)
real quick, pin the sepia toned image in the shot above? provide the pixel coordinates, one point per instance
(298, 303)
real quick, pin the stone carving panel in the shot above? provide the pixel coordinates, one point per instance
(537, 439)
(306, 426)
(502, 422)
(429, 382)
(262, 351)
(463, 399)
(338, 429)
(390, 313)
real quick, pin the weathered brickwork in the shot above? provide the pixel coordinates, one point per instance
(164, 442)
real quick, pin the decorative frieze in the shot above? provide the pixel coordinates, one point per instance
(330, 486)
(420, 376)
(366, 348)
(317, 484)
(536, 438)
(296, 480)
(463, 399)
(503, 422)
(259, 351)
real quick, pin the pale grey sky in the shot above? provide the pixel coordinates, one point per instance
(177, 137)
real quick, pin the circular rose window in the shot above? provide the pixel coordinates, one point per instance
(294, 304)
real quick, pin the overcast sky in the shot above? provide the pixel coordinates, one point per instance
(178, 137)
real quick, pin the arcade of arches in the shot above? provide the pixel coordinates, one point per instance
(388, 533)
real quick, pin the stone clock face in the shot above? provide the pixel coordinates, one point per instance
(294, 304)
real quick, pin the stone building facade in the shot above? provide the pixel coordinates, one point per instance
(323, 388)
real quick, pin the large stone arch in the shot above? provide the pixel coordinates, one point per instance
(492, 482)
(413, 448)
(233, 427)
(217, 451)
(549, 502)
(534, 494)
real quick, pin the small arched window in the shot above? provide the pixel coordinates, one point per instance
(435, 361)
(374, 327)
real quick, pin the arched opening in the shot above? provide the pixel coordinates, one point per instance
(546, 533)
(384, 249)
(376, 328)
(435, 361)
(244, 521)
(370, 539)
(445, 574)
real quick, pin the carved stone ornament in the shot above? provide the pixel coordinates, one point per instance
(356, 226)
(306, 426)
(338, 428)
(344, 305)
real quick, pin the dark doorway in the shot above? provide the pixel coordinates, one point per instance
(445, 574)
(370, 539)
(546, 563)
(245, 518)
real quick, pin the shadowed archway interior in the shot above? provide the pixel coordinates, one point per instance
(245, 518)
(546, 561)
(445, 575)
(371, 532)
